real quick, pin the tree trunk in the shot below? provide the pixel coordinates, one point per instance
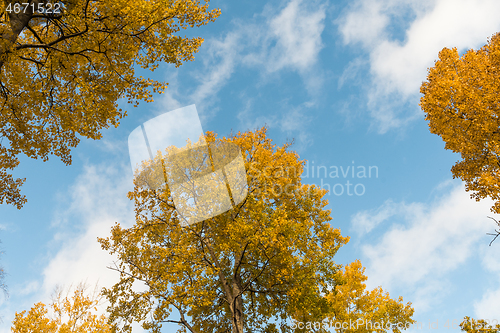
(237, 309)
(18, 21)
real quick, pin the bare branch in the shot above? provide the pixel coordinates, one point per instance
(497, 231)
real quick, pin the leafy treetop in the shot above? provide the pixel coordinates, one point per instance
(61, 74)
(462, 104)
(254, 268)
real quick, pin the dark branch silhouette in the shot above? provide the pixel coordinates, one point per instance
(497, 231)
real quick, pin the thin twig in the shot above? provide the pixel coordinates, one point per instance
(497, 231)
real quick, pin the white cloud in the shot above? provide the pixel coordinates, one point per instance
(219, 58)
(365, 221)
(274, 41)
(295, 120)
(251, 122)
(297, 31)
(97, 200)
(222, 59)
(29, 288)
(429, 242)
(488, 306)
(292, 121)
(364, 23)
(289, 40)
(88, 210)
(168, 101)
(353, 72)
(398, 67)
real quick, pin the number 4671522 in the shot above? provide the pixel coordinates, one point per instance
(40, 8)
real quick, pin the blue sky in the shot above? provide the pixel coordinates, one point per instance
(340, 77)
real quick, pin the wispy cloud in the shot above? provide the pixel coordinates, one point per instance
(87, 210)
(488, 305)
(219, 58)
(290, 39)
(219, 66)
(247, 117)
(286, 38)
(297, 31)
(424, 244)
(95, 202)
(399, 62)
(365, 221)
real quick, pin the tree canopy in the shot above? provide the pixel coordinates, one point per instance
(461, 101)
(471, 325)
(64, 314)
(253, 268)
(65, 64)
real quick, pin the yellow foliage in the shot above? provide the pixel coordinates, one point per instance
(471, 325)
(372, 311)
(462, 104)
(68, 315)
(252, 268)
(61, 74)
